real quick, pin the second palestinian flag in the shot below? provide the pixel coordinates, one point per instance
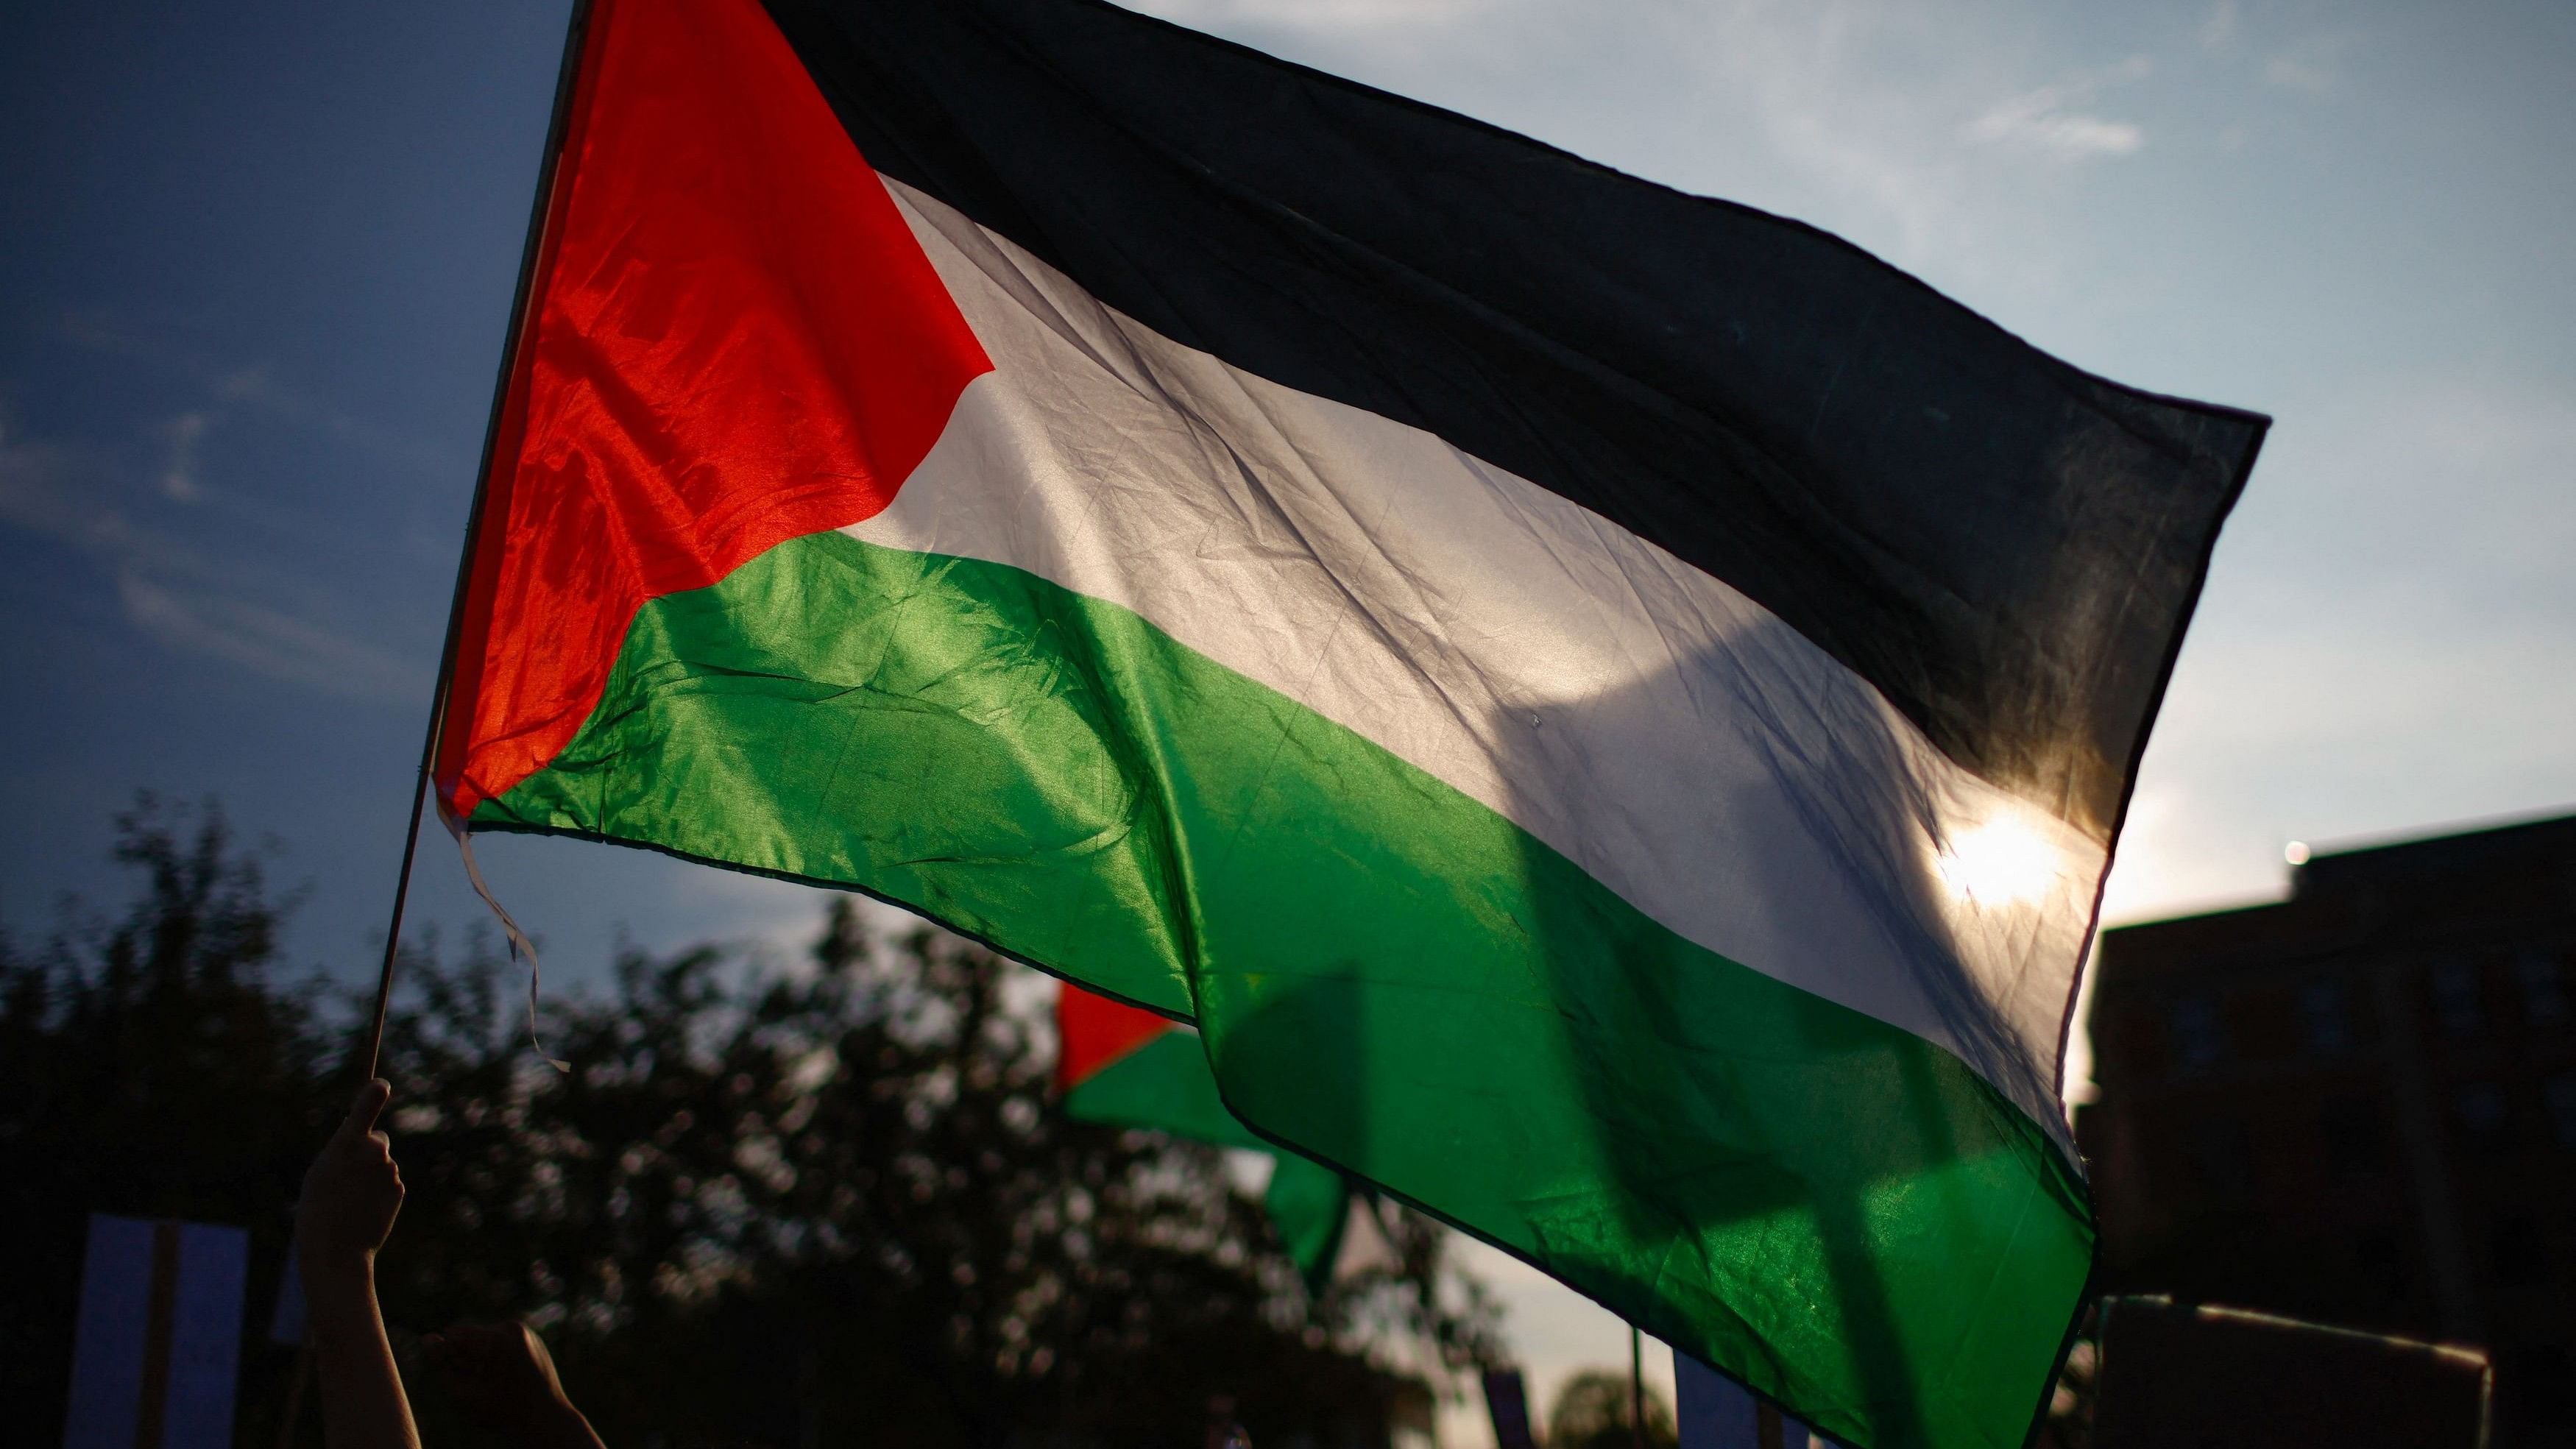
(1607, 709)
(1123, 1066)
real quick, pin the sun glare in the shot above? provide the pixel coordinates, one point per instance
(2001, 862)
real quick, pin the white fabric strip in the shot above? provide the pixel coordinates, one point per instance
(1656, 727)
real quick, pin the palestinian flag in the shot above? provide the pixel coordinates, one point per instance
(1607, 709)
(1122, 1066)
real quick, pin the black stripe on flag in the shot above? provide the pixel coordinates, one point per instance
(2005, 546)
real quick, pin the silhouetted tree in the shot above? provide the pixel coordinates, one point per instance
(152, 1066)
(857, 1170)
(1597, 1410)
(776, 1206)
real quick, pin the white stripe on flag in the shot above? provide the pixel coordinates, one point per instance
(1659, 729)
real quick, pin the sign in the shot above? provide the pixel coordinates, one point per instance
(1712, 1411)
(158, 1340)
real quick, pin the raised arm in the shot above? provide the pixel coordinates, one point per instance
(351, 1194)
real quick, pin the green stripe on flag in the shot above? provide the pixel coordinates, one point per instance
(1390, 974)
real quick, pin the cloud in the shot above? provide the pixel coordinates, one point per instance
(186, 597)
(179, 472)
(2218, 29)
(267, 641)
(2045, 121)
(248, 599)
(254, 388)
(2312, 67)
(2067, 137)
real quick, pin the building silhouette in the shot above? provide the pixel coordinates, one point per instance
(2358, 1105)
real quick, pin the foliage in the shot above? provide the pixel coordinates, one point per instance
(858, 1171)
(1597, 1409)
(154, 1068)
(781, 1207)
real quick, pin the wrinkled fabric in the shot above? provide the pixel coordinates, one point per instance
(731, 340)
(1667, 734)
(1387, 974)
(2003, 545)
(1606, 709)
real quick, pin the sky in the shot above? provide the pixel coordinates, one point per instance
(255, 261)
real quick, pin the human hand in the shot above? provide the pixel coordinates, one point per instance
(351, 1193)
(504, 1379)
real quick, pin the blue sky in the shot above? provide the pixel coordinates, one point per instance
(256, 274)
(254, 265)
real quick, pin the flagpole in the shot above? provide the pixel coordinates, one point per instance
(566, 71)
